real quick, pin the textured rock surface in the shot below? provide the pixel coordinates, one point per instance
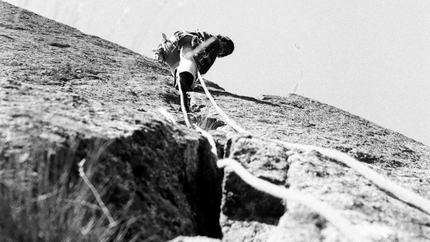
(374, 212)
(65, 96)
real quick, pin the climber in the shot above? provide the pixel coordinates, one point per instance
(189, 52)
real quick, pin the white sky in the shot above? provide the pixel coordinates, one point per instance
(371, 58)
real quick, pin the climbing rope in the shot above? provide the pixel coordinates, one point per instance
(383, 183)
(343, 225)
(223, 115)
(314, 204)
(167, 115)
(397, 191)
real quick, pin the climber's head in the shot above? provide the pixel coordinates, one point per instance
(227, 45)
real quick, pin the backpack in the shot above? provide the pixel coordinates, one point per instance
(170, 45)
(197, 36)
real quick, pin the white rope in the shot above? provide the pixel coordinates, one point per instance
(343, 225)
(223, 115)
(209, 138)
(405, 195)
(324, 210)
(167, 115)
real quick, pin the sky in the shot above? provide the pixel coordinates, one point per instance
(370, 58)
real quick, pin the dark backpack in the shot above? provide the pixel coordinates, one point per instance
(197, 37)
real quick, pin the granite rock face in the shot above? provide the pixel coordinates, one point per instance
(66, 96)
(374, 212)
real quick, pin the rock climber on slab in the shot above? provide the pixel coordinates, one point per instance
(189, 52)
